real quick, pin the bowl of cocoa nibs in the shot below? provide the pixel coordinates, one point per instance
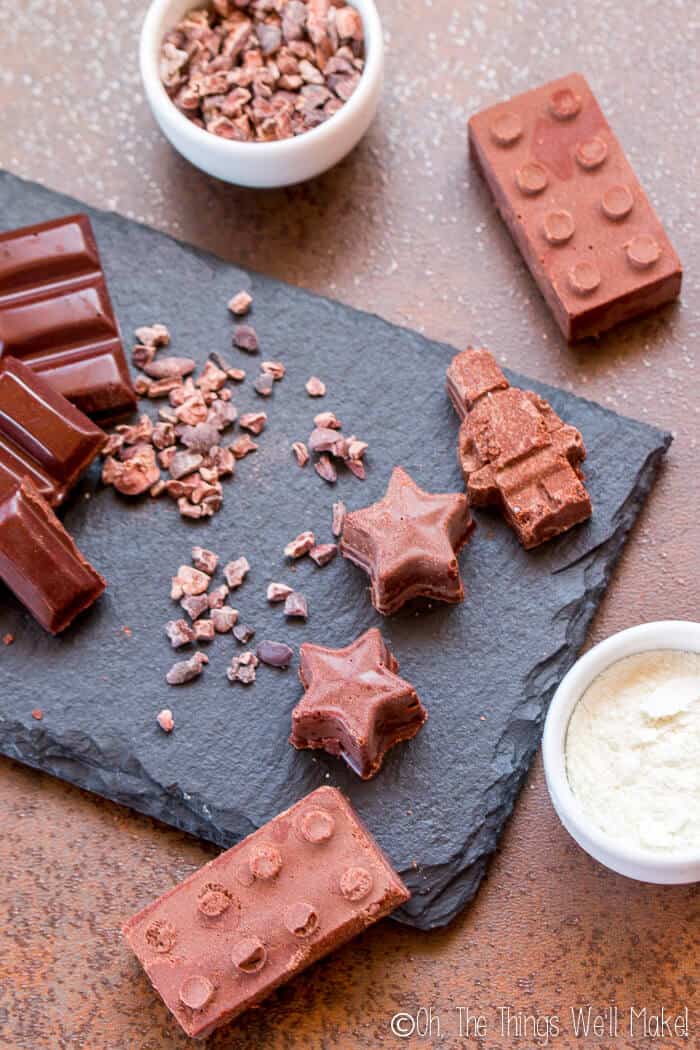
(263, 93)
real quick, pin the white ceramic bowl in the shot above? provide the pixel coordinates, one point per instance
(644, 865)
(262, 164)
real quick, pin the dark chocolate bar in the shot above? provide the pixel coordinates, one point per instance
(574, 207)
(355, 705)
(408, 543)
(42, 436)
(56, 315)
(257, 915)
(39, 561)
(515, 451)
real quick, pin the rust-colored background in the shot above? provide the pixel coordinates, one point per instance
(403, 228)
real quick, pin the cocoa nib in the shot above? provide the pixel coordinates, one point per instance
(301, 452)
(242, 446)
(224, 619)
(186, 670)
(217, 596)
(203, 630)
(154, 335)
(242, 668)
(188, 581)
(300, 545)
(194, 605)
(240, 304)
(165, 720)
(325, 469)
(200, 438)
(242, 632)
(205, 560)
(168, 367)
(275, 654)
(322, 553)
(327, 421)
(339, 512)
(315, 387)
(277, 592)
(184, 463)
(263, 384)
(254, 422)
(179, 633)
(296, 606)
(246, 338)
(236, 571)
(135, 475)
(273, 368)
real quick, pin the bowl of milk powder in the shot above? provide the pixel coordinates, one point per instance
(621, 751)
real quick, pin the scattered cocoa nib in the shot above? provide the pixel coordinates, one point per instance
(141, 356)
(241, 302)
(167, 415)
(179, 633)
(188, 581)
(190, 510)
(38, 714)
(339, 512)
(133, 476)
(263, 384)
(242, 668)
(165, 720)
(205, 560)
(163, 435)
(8, 639)
(203, 630)
(296, 606)
(222, 414)
(168, 367)
(195, 604)
(325, 439)
(275, 654)
(356, 467)
(300, 545)
(212, 378)
(166, 456)
(327, 421)
(154, 335)
(243, 68)
(322, 553)
(199, 438)
(236, 571)
(314, 387)
(246, 338)
(224, 619)
(242, 446)
(274, 368)
(242, 632)
(187, 670)
(325, 469)
(217, 596)
(301, 452)
(277, 592)
(184, 463)
(253, 421)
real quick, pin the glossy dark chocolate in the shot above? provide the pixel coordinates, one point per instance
(574, 207)
(42, 435)
(355, 705)
(39, 561)
(515, 451)
(408, 543)
(257, 915)
(56, 315)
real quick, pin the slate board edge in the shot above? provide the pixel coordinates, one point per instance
(93, 770)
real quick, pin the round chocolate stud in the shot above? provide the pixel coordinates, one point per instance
(531, 178)
(506, 129)
(355, 883)
(617, 202)
(558, 226)
(315, 825)
(249, 955)
(591, 153)
(196, 992)
(584, 277)
(265, 861)
(161, 935)
(564, 104)
(301, 919)
(213, 900)
(643, 251)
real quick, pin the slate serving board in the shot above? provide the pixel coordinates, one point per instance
(485, 669)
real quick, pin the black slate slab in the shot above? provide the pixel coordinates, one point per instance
(485, 669)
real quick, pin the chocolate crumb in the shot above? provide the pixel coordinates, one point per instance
(242, 668)
(246, 338)
(38, 714)
(224, 619)
(242, 446)
(195, 604)
(300, 545)
(179, 632)
(187, 670)
(296, 606)
(315, 387)
(323, 553)
(236, 571)
(263, 384)
(240, 304)
(253, 421)
(205, 560)
(203, 630)
(325, 469)
(301, 452)
(165, 720)
(339, 512)
(275, 654)
(242, 632)
(277, 592)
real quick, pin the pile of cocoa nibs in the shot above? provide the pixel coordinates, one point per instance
(261, 70)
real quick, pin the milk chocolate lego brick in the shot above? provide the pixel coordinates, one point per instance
(575, 208)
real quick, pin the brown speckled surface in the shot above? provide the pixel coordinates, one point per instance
(403, 228)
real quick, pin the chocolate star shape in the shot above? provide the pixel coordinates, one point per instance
(408, 543)
(355, 704)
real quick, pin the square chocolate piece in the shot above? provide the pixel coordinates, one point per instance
(293, 891)
(574, 207)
